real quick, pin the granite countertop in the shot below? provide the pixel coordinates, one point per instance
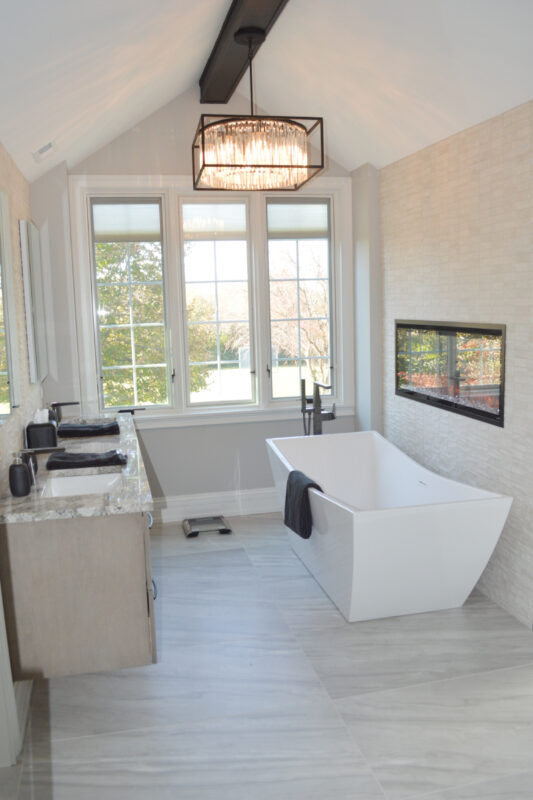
(131, 496)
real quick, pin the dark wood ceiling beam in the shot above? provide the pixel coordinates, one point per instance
(228, 60)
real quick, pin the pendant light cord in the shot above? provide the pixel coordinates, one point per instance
(251, 80)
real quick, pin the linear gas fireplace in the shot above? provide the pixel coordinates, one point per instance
(456, 366)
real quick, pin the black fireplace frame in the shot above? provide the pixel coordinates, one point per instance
(447, 328)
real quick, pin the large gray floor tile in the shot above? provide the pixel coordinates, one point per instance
(169, 540)
(197, 620)
(401, 651)
(515, 787)
(265, 757)
(219, 575)
(439, 735)
(197, 682)
(9, 782)
(312, 614)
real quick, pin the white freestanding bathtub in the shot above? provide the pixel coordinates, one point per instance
(389, 537)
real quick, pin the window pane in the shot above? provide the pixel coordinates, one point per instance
(201, 302)
(152, 385)
(298, 250)
(314, 338)
(149, 344)
(285, 340)
(285, 379)
(129, 287)
(202, 341)
(282, 259)
(148, 304)
(199, 259)
(118, 387)
(113, 305)
(313, 258)
(232, 300)
(232, 261)
(218, 331)
(116, 346)
(283, 299)
(315, 369)
(146, 261)
(314, 299)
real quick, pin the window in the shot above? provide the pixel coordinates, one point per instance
(299, 283)
(215, 263)
(205, 306)
(130, 303)
(5, 406)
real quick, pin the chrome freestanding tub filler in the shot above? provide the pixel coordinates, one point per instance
(389, 537)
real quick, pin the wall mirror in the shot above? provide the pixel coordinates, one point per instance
(9, 362)
(30, 248)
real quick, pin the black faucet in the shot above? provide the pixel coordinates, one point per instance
(320, 416)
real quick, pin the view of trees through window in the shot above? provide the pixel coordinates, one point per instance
(298, 260)
(217, 325)
(217, 302)
(130, 302)
(5, 405)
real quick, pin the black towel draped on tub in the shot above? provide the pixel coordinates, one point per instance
(297, 515)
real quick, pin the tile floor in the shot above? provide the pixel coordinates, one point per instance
(264, 692)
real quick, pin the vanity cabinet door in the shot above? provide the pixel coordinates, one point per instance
(77, 595)
(148, 519)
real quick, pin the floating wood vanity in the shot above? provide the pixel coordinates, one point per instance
(75, 572)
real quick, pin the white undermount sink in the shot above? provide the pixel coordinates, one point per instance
(69, 485)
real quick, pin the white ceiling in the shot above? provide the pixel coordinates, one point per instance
(389, 76)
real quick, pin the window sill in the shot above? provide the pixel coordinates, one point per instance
(169, 419)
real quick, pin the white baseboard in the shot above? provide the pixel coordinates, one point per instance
(231, 504)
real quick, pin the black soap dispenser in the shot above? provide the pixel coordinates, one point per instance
(19, 477)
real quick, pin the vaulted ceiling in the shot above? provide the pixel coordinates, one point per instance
(389, 76)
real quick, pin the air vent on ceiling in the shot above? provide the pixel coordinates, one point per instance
(43, 152)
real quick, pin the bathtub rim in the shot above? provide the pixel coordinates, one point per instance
(488, 494)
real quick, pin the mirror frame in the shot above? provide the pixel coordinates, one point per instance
(8, 297)
(30, 250)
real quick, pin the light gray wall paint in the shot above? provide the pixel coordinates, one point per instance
(368, 299)
(217, 458)
(50, 211)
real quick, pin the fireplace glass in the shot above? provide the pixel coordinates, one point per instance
(459, 367)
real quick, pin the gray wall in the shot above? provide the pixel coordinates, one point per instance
(457, 236)
(217, 458)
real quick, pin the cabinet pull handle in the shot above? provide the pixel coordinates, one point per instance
(154, 589)
(151, 523)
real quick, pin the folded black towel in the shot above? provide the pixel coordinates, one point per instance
(68, 460)
(73, 430)
(297, 507)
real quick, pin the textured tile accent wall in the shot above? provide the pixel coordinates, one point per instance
(17, 188)
(457, 245)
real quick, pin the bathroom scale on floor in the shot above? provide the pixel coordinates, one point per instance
(195, 525)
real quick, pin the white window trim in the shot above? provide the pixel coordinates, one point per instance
(169, 188)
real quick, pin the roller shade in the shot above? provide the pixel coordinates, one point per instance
(126, 222)
(214, 220)
(308, 220)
